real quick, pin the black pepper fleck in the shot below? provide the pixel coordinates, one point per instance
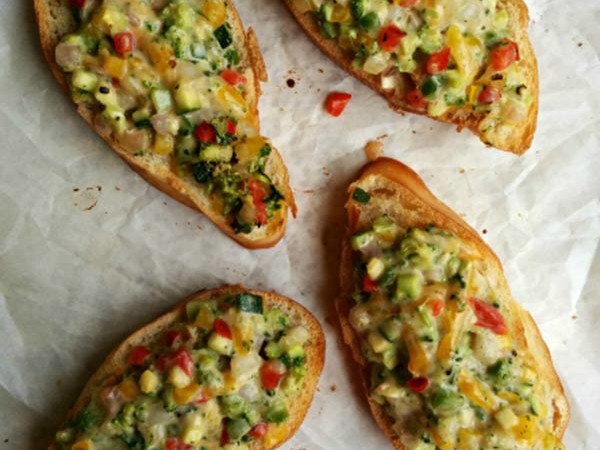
(104, 90)
(291, 83)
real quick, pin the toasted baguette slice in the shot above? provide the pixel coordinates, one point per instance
(55, 21)
(398, 193)
(515, 131)
(110, 373)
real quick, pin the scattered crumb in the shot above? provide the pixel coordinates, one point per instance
(414, 132)
(200, 227)
(580, 44)
(6, 441)
(290, 83)
(117, 188)
(165, 203)
(373, 150)
(484, 231)
(309, 191)
(318, 389)
(333, 388)
(326, 172)
(461, 170)
(574, 317)
(321, 70)
(382, 136)
(76, 190)
(86, 199)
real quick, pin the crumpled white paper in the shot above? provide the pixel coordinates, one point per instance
(75, 280)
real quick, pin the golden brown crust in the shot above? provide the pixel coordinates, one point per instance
(115, 363)
(519, 140)
(54, 20)
(399, 192)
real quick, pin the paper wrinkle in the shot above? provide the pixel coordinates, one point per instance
(73, 282)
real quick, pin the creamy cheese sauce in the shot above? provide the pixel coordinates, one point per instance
(457, 53)
(223, 377)
(165, 78)
(433, 326)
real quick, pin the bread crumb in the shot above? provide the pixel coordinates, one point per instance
(574, 316)
(461, 170)
(484, 231)
(373, 150)
(333, 388)
(309, 191)
(117, 188)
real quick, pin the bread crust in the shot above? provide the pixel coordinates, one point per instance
(517, 142)
(402, 194)
(53, 23)
(115, 363)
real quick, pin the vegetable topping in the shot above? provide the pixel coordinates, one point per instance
(167, 79)
(225, 375)
(432, 324)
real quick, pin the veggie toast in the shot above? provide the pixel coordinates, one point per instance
(448, 358)
(173, 86)
(464, 62)
(227, 368)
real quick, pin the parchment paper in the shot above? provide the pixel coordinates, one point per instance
(89, 252)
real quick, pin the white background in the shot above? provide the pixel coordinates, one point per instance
(74, 283)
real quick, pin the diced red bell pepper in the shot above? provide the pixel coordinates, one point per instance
(416, 99)
(124, 42)
(225, 439)
(438, 62)
(138, 355)
(230, 127)
(232, 77)
(259, 430)
(176, 444)
(336, 103)
(183, 359)
(163, 362)
(408, 3)
(206, 133)
(257, 191)
(436, 307)
(79, 4)
(490, 94)
(222, 329)
(504, 54)
(271, 374)
(369, 285)
(488, 316)
(173, 338)
(389, 37)
(418, 384)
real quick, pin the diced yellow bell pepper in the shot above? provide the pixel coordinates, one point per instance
(160, 55)
(114, 66)
(473, 94)
(247, 150)
(230, 382)
(463, 51)
(341, 14)
(182, 396)
(418, 363)
(238, 341)
(527, 429)
(230, 98)
(205, 319)
(275, 434)
(453, 324)
(164, 144)
(550, 442)
(215, 12)
(441, 439)
(510, 397)
(129, 389)
(84, 444)
(477, 392)
(467, 438)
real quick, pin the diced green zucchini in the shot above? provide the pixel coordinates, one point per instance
(501, 372)
(431, 87)
(431, 40)
(327, 11)
(385, 228)
(408, 285)
(358, 8)
(249, 303)
(161, 98)
(216, 153)
(273, 350)
(445, 402)
(391, 329)
(187, 97)
(409, 44)
(84, 80)
(115, 118)
(276, 320)
(369, 22)
(277, 412)
(390, 358)
(232, 406)
(378, 343)
(297, 351)
(220, 344)
(361, 196)
(223, 36)
(361, 240)
(192, 309)
(506, 418)
(237, 428)
(141, 118)
(536, 406)
(106, 95)
(329, 29)
(452, 266)
(292, 382)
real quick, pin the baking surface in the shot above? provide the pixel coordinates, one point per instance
(89, 252)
